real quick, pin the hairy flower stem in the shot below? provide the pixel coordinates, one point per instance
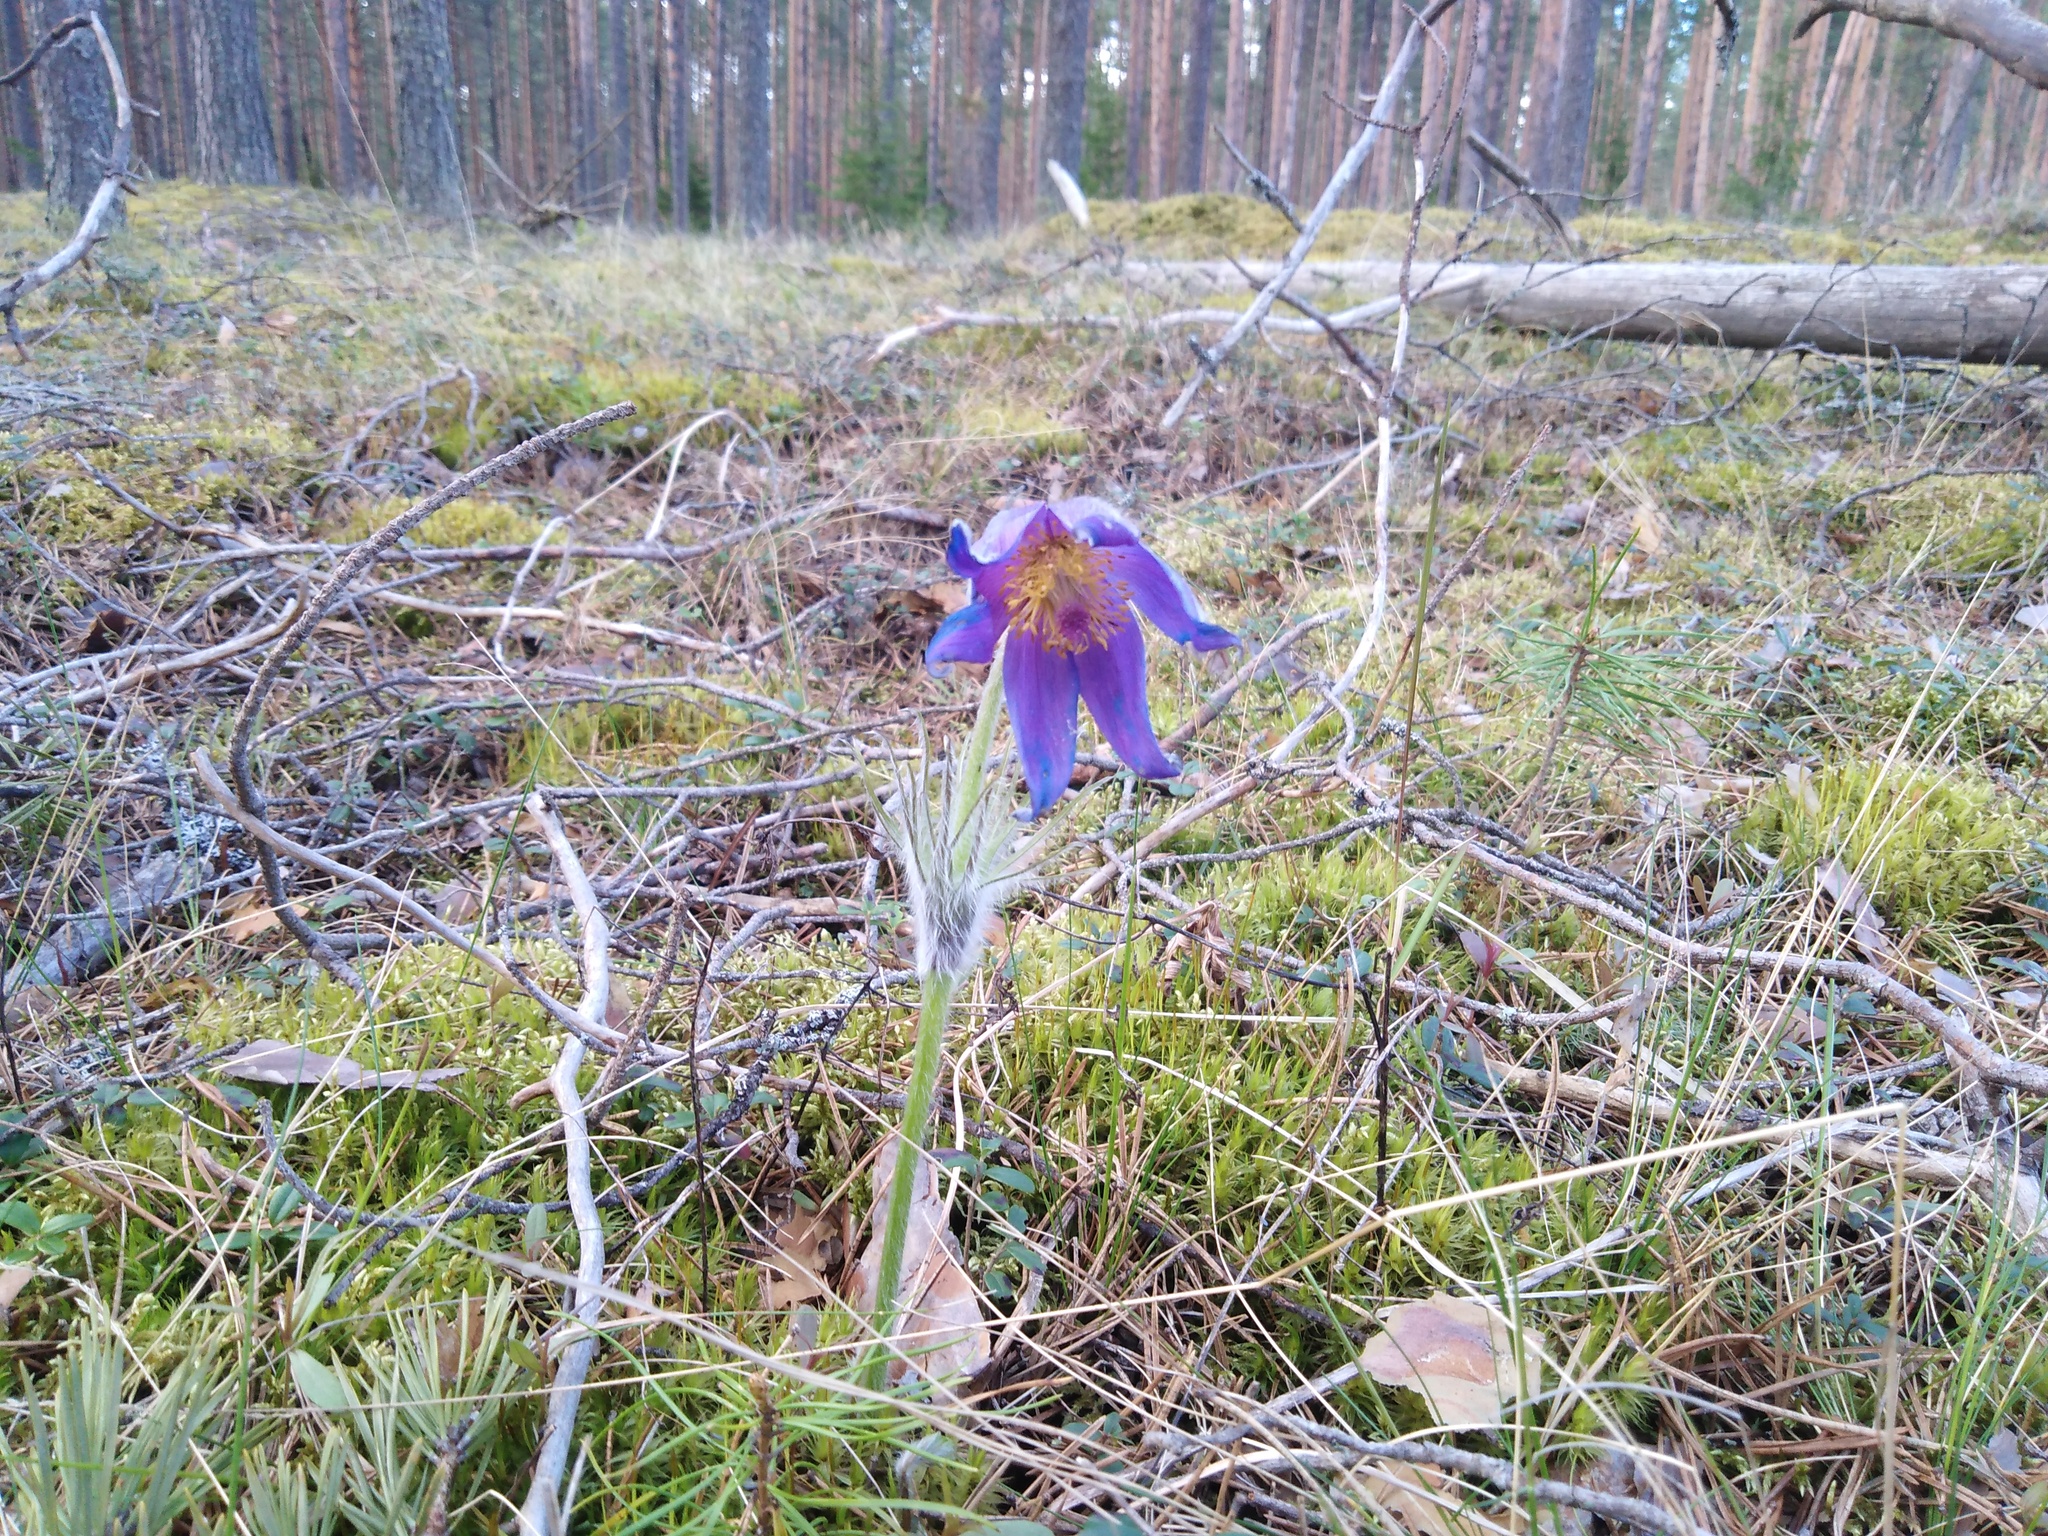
(964, 788)
(935, 1003)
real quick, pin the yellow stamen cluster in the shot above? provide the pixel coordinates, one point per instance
(1061, 593)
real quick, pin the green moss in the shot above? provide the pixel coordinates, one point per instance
(461, 524)
(1924, 844)
(1962, 524)
(1020, 429)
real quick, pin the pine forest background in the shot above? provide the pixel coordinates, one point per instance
(826, 114)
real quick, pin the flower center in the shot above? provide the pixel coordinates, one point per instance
(1060, 592)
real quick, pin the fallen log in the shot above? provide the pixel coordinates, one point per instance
(1954, 314)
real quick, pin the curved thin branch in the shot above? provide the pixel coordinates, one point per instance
(51, 39)
(112, 184)
(2008, 35)
(541, 1514)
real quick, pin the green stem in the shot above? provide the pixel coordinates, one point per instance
(935, 1003)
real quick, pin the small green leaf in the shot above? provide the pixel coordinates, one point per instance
(522, 1354)
(1031, 1260)
(67, 1221)
(21, 1216)
(319, 1385)
(1011, 1178)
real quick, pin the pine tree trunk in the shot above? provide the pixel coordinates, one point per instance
(1703, 154)
(1546, 63)
(348, 176)
(1824, 117)
(1572, 126)
(1031, 181)
(1967, 66)
(582, 152)
(721, 67)
(1236, 93)
(1194, 142)
(1389, 151)
(1471, 187)
(1133, 13)
(1282, 118)
(615, 120)
(1762, 53)
(1432, 100)
(1649, 98)
(235, 144)
(77, 108)
(2037, 128)
(1067, 84)
(21, 103)
(754, 17)
(1685, 161)
(1844, 152)
(429, 173)
(988, 130)
(1158, 96)
(287, 125)
(679, 114)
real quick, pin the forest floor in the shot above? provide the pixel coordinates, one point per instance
(1600, 1047)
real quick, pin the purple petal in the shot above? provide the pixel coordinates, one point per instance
(1113, 683)
(1165, 599)
(1005, 530)
(969, 635)
(1043, 692)
(1096, 521)
(960, 552)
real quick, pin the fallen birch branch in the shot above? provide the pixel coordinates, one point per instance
(541, 1514)
(1954, 314)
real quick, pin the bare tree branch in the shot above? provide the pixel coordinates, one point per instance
(112, 183)
(2004, 32)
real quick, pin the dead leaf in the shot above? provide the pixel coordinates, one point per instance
(1425, 1501)
(280, 322)
(531, 889)
(1680, 802)
(1799, 784)
(938, 1322)
(1651, 530)
(13, 1279)
(250, 913)
(951, 596)
(1460, 1356)
(464, 1335)
(2034, 616)
(796, 1251)
(1692, 748)
(1960, 990)
(287, 1065)
(225, 336)
(1866, 928)
(458, 903)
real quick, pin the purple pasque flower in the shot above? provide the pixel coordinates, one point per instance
(1067, 580)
